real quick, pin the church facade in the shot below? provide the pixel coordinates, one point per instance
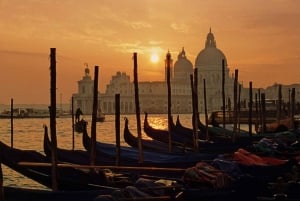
(211, 66)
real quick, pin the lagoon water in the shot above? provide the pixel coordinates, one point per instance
(28, 135)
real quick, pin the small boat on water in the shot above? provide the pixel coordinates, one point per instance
(21, 113)
(100, 116)
(271, 112)
(80, 125)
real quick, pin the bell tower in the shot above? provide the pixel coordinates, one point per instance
(169, 63)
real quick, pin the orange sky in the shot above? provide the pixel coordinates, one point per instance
(260, 38)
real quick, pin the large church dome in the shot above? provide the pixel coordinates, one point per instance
(210, 56)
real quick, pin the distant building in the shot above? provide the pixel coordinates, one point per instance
(153, 95)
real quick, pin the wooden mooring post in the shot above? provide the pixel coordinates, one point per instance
(137, 108)
(196, 118)
(168, 68)
(12, 123)
(250, 108)
(235, 105)
(73, 129)
(205, 109)
(94, 116)
(117, 124)
(223, 93)
(53, 117)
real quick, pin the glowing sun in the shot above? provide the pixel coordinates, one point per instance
(154, 58)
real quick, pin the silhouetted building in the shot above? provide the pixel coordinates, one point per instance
(153, 95)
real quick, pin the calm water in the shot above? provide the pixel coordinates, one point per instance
(28, 135)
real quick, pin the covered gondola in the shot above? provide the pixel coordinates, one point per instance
(154, 159)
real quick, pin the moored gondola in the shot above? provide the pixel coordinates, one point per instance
(170, 160)
(177, 138)
(68, 178)
(79, 125)
(150, 144)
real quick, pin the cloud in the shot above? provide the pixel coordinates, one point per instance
(183, 28)
(139, 25)
(22, 53)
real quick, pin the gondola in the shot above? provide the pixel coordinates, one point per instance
(170, 160)
(203, 146)
(100, 116)
(256, 173)
(264, 166)
(219, 134)
(216, 134)
(122, 174)
(189, 192)
(150, 144)
(79, 125)
(81, 157)
(68, 178)
(184, 135)
(181, 139)
(126, 170)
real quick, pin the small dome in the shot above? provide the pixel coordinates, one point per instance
(210, 55)
(183, 64)
(182, 67)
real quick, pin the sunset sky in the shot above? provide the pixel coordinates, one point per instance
(259, 38)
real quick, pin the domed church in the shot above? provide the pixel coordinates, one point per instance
(153, 95)
(209, 63)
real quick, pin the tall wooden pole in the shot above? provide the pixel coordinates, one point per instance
(117, 124)
(263, 112)
(250, 108)
(223, 91)
(279, 105)
(239, 109)
(53, 117)
(196, 119)
(94, 117)
(205, 109)
(289, 105)
(293, 107)
(73, 133)
(260, 108)
(257, 117)
(137, 108)
(235, 105)
(168, 67)
(193, 106)
(12, 123)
